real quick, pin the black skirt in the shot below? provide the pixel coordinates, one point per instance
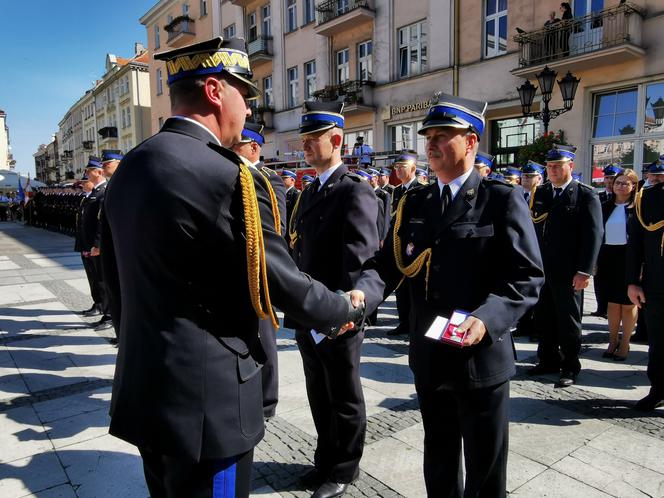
(611, 273)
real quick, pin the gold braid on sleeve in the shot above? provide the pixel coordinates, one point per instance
(256, 266)
(536, 219)
(292, 233)
(413, 269)
(651, 227)
(275, 204)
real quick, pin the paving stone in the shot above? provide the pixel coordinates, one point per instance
(633, 447)
(520, 470)
(64, 491)
(31, 475)
(22, 435)
(8, 265)
(105, 466)
(23, 292)
(563, 431)
(69, 406)
(80, 284)
(397, 465)
(552, 484)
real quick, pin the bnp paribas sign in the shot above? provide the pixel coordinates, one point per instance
(420, 105)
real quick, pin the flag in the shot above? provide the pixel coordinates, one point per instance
(28, 190)
(20, 196)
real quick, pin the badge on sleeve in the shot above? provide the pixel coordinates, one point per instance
(409, 249)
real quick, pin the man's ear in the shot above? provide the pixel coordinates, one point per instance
(337, 139)
(214, 89)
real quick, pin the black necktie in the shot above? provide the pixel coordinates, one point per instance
(446, 198)
(315, 186)
(557, 191)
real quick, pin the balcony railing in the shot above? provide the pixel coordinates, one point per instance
(354, 92)
(261, 46)
(573, 37)
(108, 132)
(180, 26)
(332, 9)
(88, 144)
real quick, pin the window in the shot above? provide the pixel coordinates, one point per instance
(185, 9)
(309, 12)
(350, 137)
(509, 135)
(160, 122)
(343, 66)
(310, 79)
(365, 61)
(495, 28)
(412, 49)
(404, 136)
(128, 111)
(266, 16)
(122, 116)
(615, 113)
(267, 92)
(203, 8)
(291, 15)
(293, 87)
(252, 28)
(157, 42)
(229, 31)
(628, 126)
(585, 7)
(160, 83)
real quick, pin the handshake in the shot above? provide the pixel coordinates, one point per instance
(354, 318)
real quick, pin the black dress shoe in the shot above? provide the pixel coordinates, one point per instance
(397, 331)
(567, 379)
(93, 311)
(330, 489)
(104, 324)
(540, 369)
(649, 403)
(312, 479)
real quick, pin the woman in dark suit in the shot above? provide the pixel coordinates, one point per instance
(611, 263)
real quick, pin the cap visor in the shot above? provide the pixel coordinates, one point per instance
(305, 130)
(252, 91)
(443, 123)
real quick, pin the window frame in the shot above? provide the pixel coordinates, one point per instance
(157, 37)
(309, 79)
(293, 87)
(251, 26)
(345, 66)
(422, 41)
(203, 8)
(268, 95)
(366, 43)
(291, 16)
(266, 21)
(495, 18)
(159, 81)
(308, 11)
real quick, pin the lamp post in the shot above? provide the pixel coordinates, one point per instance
(546, 78)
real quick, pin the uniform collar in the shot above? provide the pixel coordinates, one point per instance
(325, 175)
(185, 118)
(456, 184)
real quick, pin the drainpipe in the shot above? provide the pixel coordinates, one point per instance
(457, 51)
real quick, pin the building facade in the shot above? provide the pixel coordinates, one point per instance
(46, 163)
(6, 159)
(113, 115)
(386, 59)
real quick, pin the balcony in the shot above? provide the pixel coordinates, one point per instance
(241, 3)
(109, 134)
(260, 50)
(336, 16)
(357, 95)
(180, 31)
(88, 144)
(606, 37)
(262, 115)
(67, 154)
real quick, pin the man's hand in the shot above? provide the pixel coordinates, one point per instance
(356, 297)
(580, 281)
(476, 330)
(94, 251)
(636, 295)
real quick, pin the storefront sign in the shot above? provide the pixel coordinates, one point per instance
(411, 107)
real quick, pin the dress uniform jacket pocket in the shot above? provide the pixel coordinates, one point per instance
(470, 230)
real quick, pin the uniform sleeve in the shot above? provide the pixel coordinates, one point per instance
(360, 232)
(634, 262)
(280, 192)
(295, 293)
(522, 275)
(592, 233)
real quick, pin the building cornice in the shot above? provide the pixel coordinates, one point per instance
(156, 11)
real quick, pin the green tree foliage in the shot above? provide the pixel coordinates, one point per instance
(536, 151)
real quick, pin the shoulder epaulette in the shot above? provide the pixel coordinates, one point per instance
(496, 181)
(352, 176)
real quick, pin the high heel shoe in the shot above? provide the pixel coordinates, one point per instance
(610, 351)
(618, 357)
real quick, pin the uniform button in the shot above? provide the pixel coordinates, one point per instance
(320, 217)
(435, 267)
(437, 242)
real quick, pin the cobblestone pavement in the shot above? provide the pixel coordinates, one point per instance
(56, 375)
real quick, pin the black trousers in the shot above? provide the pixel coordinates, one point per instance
(480, 419)
(332, 373)
(173, 477)
(270, 371)
(403, 306)
(558, 318)
(105, 308)
(654, 316)
(600, 294)
(93, 280)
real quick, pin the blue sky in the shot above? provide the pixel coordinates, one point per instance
(50, 53)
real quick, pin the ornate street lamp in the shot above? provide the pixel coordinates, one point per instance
(546, 78)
